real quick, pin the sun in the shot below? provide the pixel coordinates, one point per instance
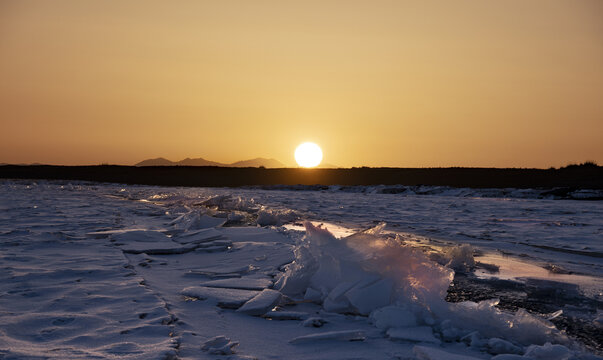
(308, 155)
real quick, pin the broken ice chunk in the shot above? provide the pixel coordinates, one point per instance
(548, 351)
(219, 345)
(120, 232)
(346, 335)
(314, 322)
(244, 283)
(393, 316)
(508, 357)
(475, 340)
(285, 315)
(214, 246)
(157, 248)
(275, 217)
(599, 319)
(370, 297)
(460, 258)
(313, 295)
(212, 249)
(499, 346)
(222, 271)
(418, 334)
(137, 235)
(261, 303)
(225, 298)
(452, 333)
(194, 220)
(198, 236)
(336, 300)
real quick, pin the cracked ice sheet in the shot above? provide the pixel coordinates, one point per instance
(201, 320)
(78, 300)
(38, 290)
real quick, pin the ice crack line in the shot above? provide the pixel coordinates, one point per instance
(170, 320)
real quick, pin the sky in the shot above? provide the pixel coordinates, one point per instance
(515, 83)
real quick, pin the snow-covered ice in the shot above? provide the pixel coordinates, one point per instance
(138, 272)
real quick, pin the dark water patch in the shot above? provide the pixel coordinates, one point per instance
(540, 297)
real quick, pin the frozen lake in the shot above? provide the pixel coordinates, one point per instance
(105, 271)
(564, 234)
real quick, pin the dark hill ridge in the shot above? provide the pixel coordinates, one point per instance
(257, 162)
(580, 177)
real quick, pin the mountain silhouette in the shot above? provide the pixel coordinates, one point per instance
(198, 162)
(257, 162)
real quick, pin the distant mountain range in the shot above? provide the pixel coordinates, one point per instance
(257, 162)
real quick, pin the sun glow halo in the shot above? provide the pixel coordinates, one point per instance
(308, 155)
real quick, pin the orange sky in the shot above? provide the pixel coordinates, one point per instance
(378, 83)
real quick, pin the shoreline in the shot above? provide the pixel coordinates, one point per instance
(565, 179)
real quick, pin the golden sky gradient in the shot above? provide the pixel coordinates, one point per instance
(514, 83)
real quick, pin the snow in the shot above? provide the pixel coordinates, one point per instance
(136, 272)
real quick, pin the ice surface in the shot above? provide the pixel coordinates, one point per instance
(286, 315)
(194, 220)
(509, 357)
(69, 290)
(548, 351)
(500, 346)
(226, 298)
(347, 335)
(135, 235)
(422, 190)
(167, 247)
(314, 322)
(429, 353)
(219, 345)
(198, 236)
(418, 334)
(127, 234)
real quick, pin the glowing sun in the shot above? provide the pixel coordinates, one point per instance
(308, 155)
